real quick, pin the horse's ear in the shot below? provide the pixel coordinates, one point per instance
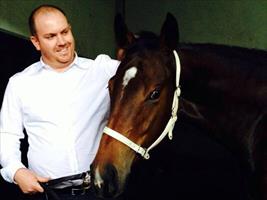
(169, 35)
(122, 35)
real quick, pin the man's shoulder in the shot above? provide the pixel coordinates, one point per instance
(84, 60)
(107, 64)
(28, 71)
(106, 61)
(99, 58)
(101, 61)
(104, 58)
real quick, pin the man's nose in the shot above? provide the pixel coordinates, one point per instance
(61, 40)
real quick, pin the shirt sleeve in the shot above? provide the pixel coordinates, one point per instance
(11, 131)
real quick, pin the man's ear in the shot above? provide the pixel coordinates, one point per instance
(35, 42)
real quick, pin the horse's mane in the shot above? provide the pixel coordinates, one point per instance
(144, 40)
(239, 55)
(237, 71)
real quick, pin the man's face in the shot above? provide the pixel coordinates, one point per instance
(54, 39)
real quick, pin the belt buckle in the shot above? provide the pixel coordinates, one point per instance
(86, 179)
(85, 185)
(77, 191)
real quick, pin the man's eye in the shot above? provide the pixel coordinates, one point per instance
(49, 37)
(65, 32)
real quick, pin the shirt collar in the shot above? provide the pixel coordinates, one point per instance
(76, 62)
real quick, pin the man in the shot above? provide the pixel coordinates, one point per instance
(62, 102)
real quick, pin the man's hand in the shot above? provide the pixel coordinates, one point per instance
(28, 181)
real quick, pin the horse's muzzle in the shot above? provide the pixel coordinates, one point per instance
(106, 184)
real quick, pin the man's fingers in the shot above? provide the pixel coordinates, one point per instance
(39, 188)
(42, 179)
(28, 181)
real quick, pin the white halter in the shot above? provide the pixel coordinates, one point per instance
(169, 127)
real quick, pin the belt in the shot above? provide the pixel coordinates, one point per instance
(78, 190)
(76, 184)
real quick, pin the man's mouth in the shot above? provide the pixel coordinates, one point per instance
(63, 51)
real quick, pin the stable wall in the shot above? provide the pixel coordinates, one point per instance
(232, 22)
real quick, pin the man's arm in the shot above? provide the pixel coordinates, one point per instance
(11, 131)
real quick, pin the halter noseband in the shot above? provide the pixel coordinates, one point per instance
(169, 127)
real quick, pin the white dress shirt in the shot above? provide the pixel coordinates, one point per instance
(63, 114)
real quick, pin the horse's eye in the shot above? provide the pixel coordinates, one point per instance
(154, 94)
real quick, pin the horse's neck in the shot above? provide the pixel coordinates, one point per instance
(238, 73)
(214, 99)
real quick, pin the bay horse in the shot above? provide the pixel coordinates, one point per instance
(223, 94)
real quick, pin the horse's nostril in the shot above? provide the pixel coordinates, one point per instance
(110, 181)
(108, 186)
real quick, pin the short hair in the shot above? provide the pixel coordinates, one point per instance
(46, 8)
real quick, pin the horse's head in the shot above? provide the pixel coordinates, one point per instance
(142, 93)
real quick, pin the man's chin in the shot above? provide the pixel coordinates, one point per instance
(66, 59)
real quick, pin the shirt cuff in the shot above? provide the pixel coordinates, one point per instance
(9, 171)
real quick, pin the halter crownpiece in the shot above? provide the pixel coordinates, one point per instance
(169, 127)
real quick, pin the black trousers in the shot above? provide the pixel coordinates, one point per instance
(88, 195)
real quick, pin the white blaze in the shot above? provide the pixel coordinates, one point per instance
(129, 74)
